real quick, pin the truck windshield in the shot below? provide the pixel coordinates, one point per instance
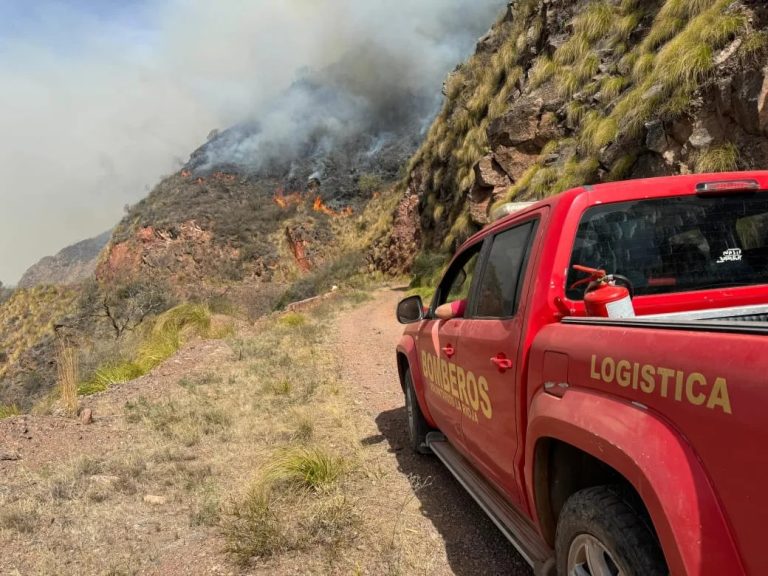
(676, 244)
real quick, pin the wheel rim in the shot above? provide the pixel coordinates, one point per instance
(410, 411)
(589, 557)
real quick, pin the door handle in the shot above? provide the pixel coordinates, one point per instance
(449, 351)
(502, 362)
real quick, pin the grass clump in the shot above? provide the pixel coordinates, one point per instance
(6, 411)
(311, 468)
(721, 159)
(108, 375)
(303, 425)
(253, 529)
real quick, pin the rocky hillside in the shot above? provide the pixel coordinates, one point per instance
(27, 333)
(71, 265)
(561, 93)
(214, 226)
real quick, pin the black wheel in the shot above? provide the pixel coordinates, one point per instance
(600, 533)
(417, 425)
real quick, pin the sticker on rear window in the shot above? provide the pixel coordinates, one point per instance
(730, 255)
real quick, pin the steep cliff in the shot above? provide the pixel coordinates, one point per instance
(561, 93)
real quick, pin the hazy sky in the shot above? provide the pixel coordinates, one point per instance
(101, 98)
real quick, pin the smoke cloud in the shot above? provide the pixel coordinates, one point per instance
(95, 108)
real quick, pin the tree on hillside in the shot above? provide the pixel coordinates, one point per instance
(125, 306)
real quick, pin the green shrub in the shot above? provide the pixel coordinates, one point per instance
(293, 319)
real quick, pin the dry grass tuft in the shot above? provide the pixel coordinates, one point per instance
(253, 529)
(68, 376)
(22, 518)
(311, 468)
(724, 158)
(8, 411)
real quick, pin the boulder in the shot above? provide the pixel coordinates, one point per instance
(750, 101)
(513, 161)
(491, 181)
(489, 174)
(651, 165)
(519, 125)
(656, 137)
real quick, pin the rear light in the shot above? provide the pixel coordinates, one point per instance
(706, 188)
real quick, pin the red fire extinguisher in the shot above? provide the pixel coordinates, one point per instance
(604, 296)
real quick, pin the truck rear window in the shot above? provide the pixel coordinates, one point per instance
(676, 244)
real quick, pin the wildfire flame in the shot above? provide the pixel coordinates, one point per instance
(186, 173)
(280, 198)
(224, 177)
(295, 198)
(319, 206)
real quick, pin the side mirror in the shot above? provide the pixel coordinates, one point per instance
(410, 310)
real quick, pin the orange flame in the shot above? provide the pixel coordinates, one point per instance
(319, 206)
(224, 177)
(186, 173)
(200, 180)
(284, 201)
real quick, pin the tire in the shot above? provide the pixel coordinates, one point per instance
(600, 528)
(417, 424)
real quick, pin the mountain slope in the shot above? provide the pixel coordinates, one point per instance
(71, 265)
(561, 93)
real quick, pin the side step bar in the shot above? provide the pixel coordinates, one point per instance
(516, 528)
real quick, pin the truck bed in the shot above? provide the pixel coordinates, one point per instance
(738, 319)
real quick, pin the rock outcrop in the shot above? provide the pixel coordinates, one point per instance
(562, 93)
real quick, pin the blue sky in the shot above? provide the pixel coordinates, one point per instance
(23, 15)
(58, 25)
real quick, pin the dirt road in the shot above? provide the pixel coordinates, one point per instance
(151, 485)
(466, 541)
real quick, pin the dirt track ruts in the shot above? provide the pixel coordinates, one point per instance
(367, 337)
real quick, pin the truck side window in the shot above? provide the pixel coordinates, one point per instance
(502, 276)
(458, 280)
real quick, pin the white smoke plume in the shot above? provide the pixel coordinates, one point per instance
(95, 109)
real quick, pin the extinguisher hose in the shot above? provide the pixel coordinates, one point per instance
(626, 282)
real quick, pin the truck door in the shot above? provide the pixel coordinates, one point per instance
(490, 338)
(438, 345)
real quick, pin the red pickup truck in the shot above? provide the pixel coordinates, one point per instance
(633, 445)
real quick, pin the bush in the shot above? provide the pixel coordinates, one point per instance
(369, 183)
